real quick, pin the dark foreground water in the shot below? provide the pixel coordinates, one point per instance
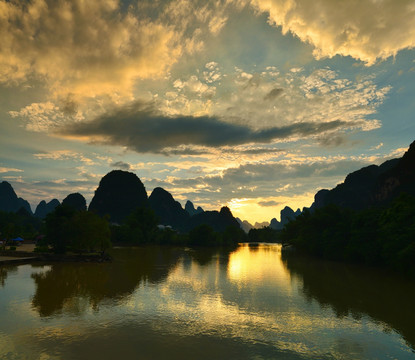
(175, 303)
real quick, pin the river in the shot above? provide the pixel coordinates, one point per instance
(180, 303)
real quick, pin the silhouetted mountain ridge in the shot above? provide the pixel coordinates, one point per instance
(190, 208)
(287, 214)
(9, 201)
(372, 185)
(44, 208)
(75, 201)
(218, 220)
(168, 210)
(118, 194)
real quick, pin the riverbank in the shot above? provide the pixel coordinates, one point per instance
(4, 260)
(25, 253)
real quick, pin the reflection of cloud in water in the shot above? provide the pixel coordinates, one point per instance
(249, 265)
(194, 301)
(239, 305)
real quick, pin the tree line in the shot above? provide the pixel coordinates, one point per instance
(67, 229)
(380, 236)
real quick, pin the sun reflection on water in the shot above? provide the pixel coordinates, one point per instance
(258, 264)
(242, 304)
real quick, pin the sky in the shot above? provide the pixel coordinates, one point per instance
(251, 104)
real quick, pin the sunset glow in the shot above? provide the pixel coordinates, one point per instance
(252, 104)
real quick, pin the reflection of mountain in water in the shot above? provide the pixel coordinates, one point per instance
(65, 283)
(358, 291)
(205, 255)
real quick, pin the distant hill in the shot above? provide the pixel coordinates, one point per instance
(190, 208)
(218, 220)
(372, 185)
(9, 201)
(45, 208)
(287, 214)
(244, 225)
(75, 201)
(260, 225)
(118, 194)
(168, 210)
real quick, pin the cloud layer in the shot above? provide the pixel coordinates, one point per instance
(81, 47)
(366, 30)
(140, 128)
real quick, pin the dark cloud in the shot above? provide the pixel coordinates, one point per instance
(332, 141)
(121, 165)
(258, 151)
(68, 105)
(269, 203)
(184, 151)
(274, 93)
(141, 128)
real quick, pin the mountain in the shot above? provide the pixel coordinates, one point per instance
(398, 179)
(118, 194)
(44, 208)
(75, 201)
(168, 210)
(372, 185)
(218, 220)
(287, 214)
(9, 201)
(244, 225)
(275, 224)
(190, 208)
(260, 225)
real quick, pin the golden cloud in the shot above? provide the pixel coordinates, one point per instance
(87, 48)
(366, 30)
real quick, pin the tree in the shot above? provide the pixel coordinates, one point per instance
(79, 231)
(90, 233)
(142, 225)
(58, 228)
(202, 235)
(233, 235)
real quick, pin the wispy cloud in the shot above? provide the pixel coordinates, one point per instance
(7, 170)
(121, 165)
(64, 155)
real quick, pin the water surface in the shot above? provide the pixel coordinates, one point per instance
(178, 303)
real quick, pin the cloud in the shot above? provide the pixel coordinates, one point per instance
(86, 48)
(141, 128)
(331, 141)
(288, 176)
(260, 100)
(266, 97)
(377, 147)
(366, 30)
(7, 170)
(254, 150)
(268, 203)
(274, 93)
(121, 165)
(65, 155)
